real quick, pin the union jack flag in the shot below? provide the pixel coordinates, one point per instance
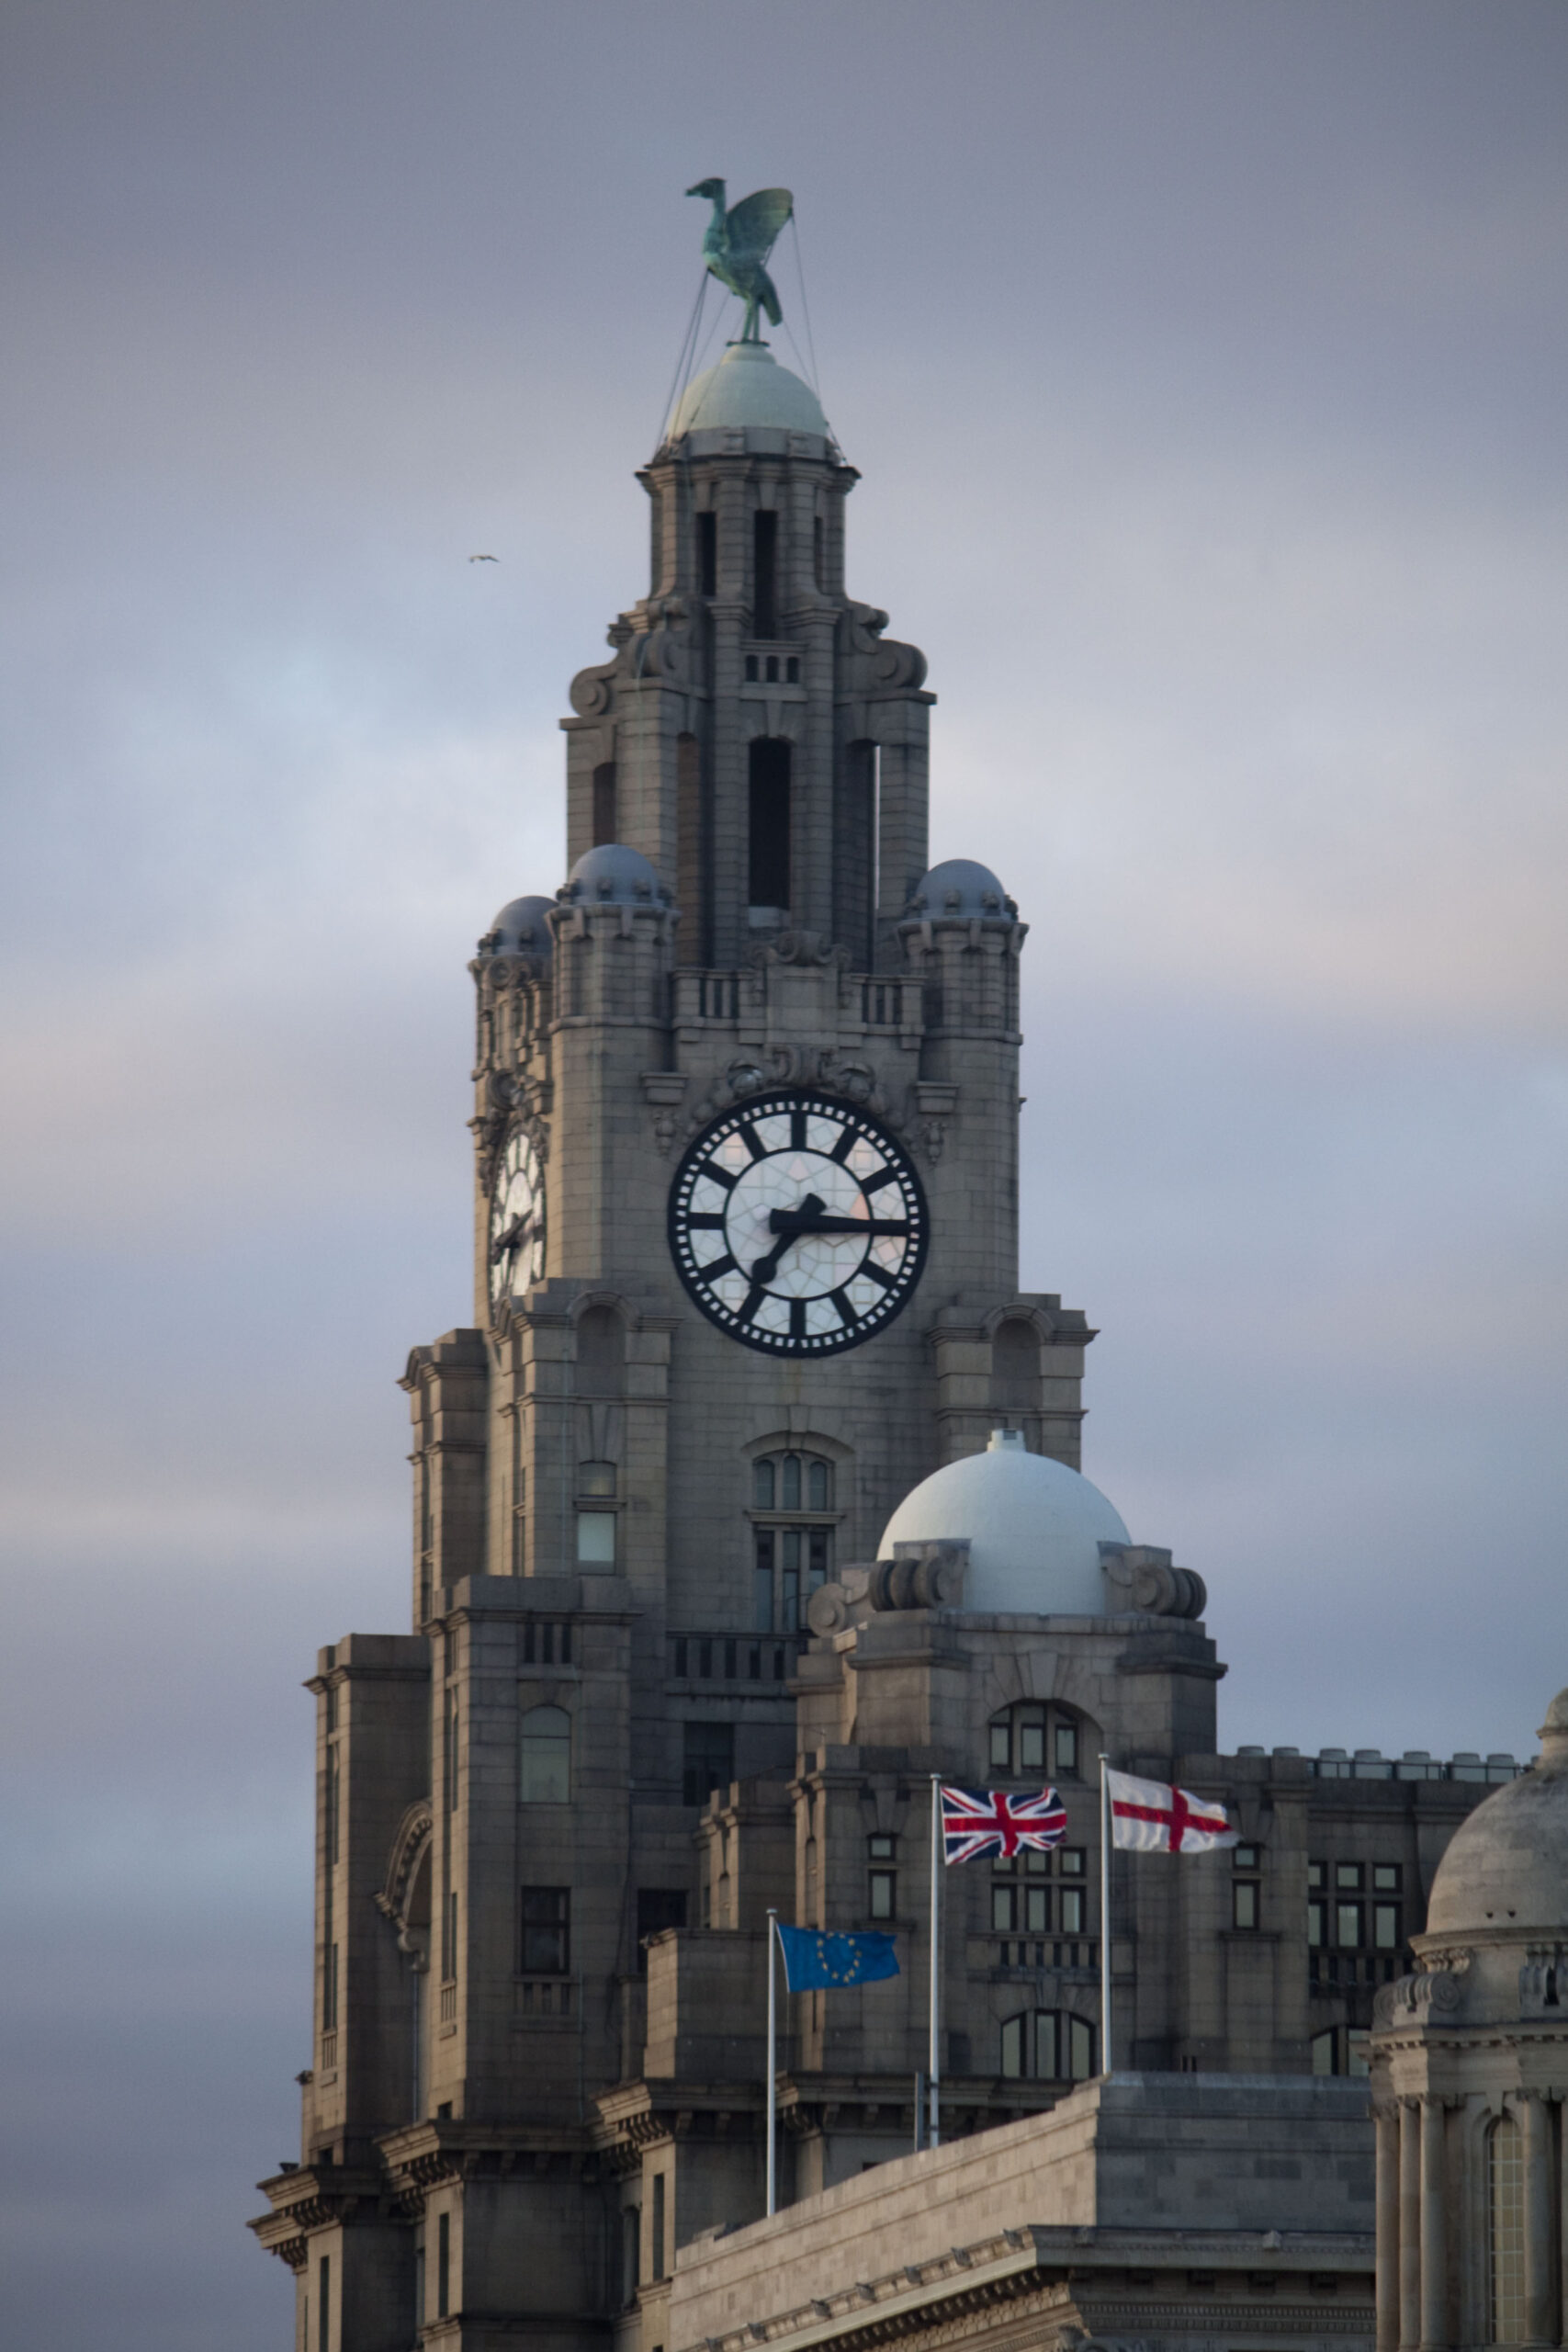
(979, 1823)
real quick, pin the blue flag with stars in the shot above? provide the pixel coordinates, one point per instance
(813, 1960)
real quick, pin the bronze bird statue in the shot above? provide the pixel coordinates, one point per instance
(737, 243)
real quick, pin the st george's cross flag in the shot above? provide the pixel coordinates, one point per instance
(1154, 1819)
(982, 1824)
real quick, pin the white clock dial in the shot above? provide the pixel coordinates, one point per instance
(797, 1225)
(516, 1222)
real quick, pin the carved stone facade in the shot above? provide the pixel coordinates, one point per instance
(659, 1678)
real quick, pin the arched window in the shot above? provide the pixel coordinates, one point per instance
(1047, 2046)
(790, 1554)
(1506, 2230)
(545, 1775)
(1015, 1367)
(1037, 1738)
(601, 1352)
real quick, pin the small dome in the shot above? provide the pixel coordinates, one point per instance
(613, 876)
(958, 891)
(1506, 1868)
(748, 388)
(1035, 1530)
(520, 929)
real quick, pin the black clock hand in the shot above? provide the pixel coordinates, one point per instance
(789, 1225)
(507, 1240)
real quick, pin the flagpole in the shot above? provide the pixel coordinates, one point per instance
(772, 2063)
(933, 2138)
(1104, 1917)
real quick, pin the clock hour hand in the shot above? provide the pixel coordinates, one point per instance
(789, 1225)
(510, 1239)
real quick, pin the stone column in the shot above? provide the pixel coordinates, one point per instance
(1409, 2224)
(1434, 2248)
(1386, 2126)
(1540, 2298)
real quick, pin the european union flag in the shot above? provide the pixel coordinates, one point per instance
(812, 1959)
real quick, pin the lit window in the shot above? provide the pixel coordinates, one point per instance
(545, 1775)
(596, 1539)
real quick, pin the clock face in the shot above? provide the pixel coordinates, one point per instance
(516, 1222)
(797, 1225)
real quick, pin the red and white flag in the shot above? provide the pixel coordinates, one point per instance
(1154, 1819)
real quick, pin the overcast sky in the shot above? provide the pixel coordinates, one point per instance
(1204, 365)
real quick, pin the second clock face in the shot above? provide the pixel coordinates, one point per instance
(797, 1225)
(516, 1222)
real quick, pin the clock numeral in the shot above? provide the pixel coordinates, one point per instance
(798, 1318)
(708, 1221)
(751, 1302)
(870, 1184)
(876, 1274)
(844, 1146)
(797, 1130)
(752, 1140)
(883, 1224)
(841, 1299)
(717, 1175)
(716, 1268)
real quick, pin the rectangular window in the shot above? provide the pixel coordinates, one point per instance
(1067, 1750)
(631, 2252)
(451, 1751)
(884, 1887)
(708, 554)
(657, 1907)
(596, 1539)
(1072, 1862)
(329, 1991)
(855, 792)
(768, 809)
(880, 1848)
(442, 2265)
(604, 804)
(707, 1760)
(449, 1939)
(694, 854)
(764, 572)
(324, 2305)
(818, 552)
(1072, 1910)
(334, 1783)
(1244, 1858)
(1386, 1878)
(1001, 1745)
(519, 1498)
(546, 1914)
(657, 2248)
(1385, 1926)
(1317, 1876)
(1004, 1908)
(1037, 1908)
(1317, 1925)
(1244, 1903)
(1347, 1877)
(1031, 1743)
(1347, 1926)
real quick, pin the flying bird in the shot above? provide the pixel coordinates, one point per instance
(737, 243)
(484, 558)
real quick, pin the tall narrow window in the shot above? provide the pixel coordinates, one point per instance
(708, 1760)
(449, 1939)
(708, 554)
(546, 1765)
(442, 2265)
(1015, 1367)
(329, 1990)
(604, 804)
(451, 1751)
(854, 852)
(1506, 2230)
(764, 573)
(768, 813)
(335, 1790)
(818, 552)
(519, 1498)
(656, 2249)
(324, 2305)
(694, 893)
(546, 1916)
(601, 1352)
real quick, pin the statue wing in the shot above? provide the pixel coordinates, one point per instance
(752, 225)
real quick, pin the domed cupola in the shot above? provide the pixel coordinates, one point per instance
(612, 876)
(749, 392)
(521, 928)
(1034, 1528)
(1504, 1875)
(961, 890)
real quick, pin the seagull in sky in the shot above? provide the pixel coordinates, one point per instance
(484, 558)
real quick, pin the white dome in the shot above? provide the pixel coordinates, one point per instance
(613, 876)
(748, 388)
(1035, 1530)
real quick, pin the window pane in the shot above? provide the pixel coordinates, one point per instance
(818, 1550)
(1385, 1926)
(1038, 1912)
(546, 1913)
(1506, 2230)
(762, 1486)
(880, 1848)
(1385, 1877)
(1348, 1875)
(1244, 1858)
(1323, 2053)
(792, 1550)
(546, 1756)
(1318, 1875)
(1244, 1903)
(596, 1539)
(1045, 2058)
(1072, 1910)
(882, 1886)
(1318, 1926)
(1072, 1860)
(1347, 1926)
(709, 1761)
(790, 1601)
(1002, 1744)
(1012, 2047)
(1002, 1901)
(1068, 1749)
(1031, 1747)
(791, 1497)
(763, 1601)
(818, 1486)
(596, 1479)
(1080, 2049)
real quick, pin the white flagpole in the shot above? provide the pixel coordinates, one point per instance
(1105, 2065)
(772, 2064)
(934, 2062)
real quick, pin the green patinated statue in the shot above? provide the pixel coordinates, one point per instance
(737, 243)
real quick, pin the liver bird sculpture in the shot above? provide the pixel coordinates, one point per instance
(737, 243)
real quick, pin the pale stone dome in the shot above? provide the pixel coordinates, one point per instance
(520, 929)
(958, 891)
(748, 388)
(1035, 1530)
(1506, 1866)
(613, 876)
